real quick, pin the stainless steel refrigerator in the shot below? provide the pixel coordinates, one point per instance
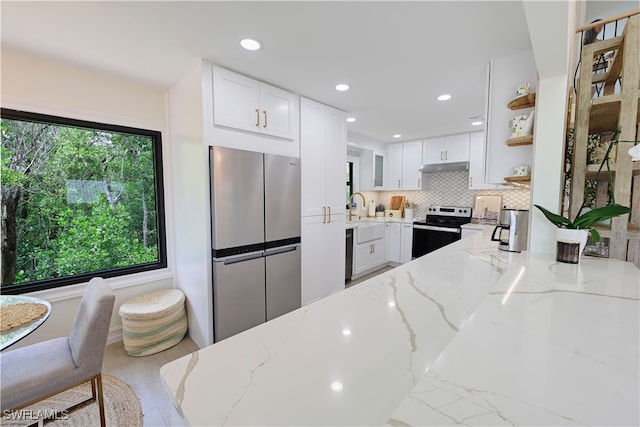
(255, 223)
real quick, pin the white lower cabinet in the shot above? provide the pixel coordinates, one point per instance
(392, 241)
(322, 259)
(368, 255)
(406, 242)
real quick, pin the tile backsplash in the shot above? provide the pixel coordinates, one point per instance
(450, 188)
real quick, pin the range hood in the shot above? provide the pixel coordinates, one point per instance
(442, 167)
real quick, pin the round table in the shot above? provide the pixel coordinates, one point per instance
(14, 335)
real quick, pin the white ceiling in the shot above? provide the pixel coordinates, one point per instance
(397, 56)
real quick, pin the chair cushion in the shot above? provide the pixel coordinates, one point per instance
(30, 372)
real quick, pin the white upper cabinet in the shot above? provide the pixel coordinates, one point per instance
(393, 169)
(240, 102)
(477, 152)
(372, 170)
(411, 161)
(446, 149)
(323, 150)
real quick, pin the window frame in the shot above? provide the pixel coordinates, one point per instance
(161, 263)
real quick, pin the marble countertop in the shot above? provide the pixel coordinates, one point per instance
(354, 223)
(467, 335)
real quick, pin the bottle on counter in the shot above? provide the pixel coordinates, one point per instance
(372, 209)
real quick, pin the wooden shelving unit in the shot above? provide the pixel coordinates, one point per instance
(520, 140)
(525, 101)
(615, 109)
(518, 180)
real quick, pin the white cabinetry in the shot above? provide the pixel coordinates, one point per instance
(243, 103)
(369, 248)
(323, 151)
(392, 242)
(398, 240)
(406, 242)
(446, 149)
(372, 166)
(393, 169)
(477, 171)
(411, 161)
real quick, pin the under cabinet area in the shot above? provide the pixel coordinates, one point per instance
(242, 103)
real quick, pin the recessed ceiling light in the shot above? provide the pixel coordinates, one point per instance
(342, 87)
(351, 119)
(250, 44)
(444, 97)
(397, 135)
(478, 123)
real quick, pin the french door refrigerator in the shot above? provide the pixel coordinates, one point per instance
(255, 226)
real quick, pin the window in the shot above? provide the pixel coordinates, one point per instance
(79, 199)
(349, 183)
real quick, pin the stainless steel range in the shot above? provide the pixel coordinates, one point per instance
(441, 226)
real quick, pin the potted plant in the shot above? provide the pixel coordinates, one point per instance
(379, 210)
(578, 229)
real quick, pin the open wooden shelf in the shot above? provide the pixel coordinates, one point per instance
(520, 140)
(525, 101)
(592, 170)
(518, 180)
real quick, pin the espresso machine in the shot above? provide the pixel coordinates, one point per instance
(512, 230)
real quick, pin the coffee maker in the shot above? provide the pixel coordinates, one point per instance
(512, 230)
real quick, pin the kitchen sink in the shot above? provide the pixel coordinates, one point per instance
(367, 231)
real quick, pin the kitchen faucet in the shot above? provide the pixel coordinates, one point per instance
(364, 203)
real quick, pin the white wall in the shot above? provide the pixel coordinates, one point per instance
(192, 212)
(43, 86)
(551, 26)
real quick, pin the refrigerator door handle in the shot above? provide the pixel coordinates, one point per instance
(242, 258)
(280, 250)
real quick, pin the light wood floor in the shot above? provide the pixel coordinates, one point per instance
(142, 374)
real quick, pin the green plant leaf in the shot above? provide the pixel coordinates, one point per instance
(594, 235)
(587, 220)
(557, 220)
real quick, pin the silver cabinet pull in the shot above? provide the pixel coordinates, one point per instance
(265, 118)
(329, 221)
(257, 118)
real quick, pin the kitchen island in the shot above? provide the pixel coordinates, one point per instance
(466, 334)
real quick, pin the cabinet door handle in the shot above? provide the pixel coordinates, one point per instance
(265, 118)
(470, 181)
(324, 214)
(257, 118)
(398, 183)
(329, 209)
(442, 155)
(446, 155)
(374, 248)
(418, 182)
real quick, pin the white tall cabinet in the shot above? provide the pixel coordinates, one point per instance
(323, 153)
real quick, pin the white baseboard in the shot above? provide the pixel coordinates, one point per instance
(115, 335)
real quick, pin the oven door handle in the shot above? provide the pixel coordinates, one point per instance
(435, 228)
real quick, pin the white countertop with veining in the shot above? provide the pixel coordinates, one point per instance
(464, 335)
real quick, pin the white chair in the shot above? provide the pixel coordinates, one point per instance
(36, 372)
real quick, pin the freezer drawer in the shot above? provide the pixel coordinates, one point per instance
(284, 280)
(238, 296)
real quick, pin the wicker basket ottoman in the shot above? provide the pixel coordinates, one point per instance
(153, 322)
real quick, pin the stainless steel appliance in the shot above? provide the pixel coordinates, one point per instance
(255, 227)
(441, 226)
(512, 230)
(348, 264)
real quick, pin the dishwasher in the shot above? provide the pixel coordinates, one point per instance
(348, 265)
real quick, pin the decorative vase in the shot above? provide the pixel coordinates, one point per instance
(571, 243)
